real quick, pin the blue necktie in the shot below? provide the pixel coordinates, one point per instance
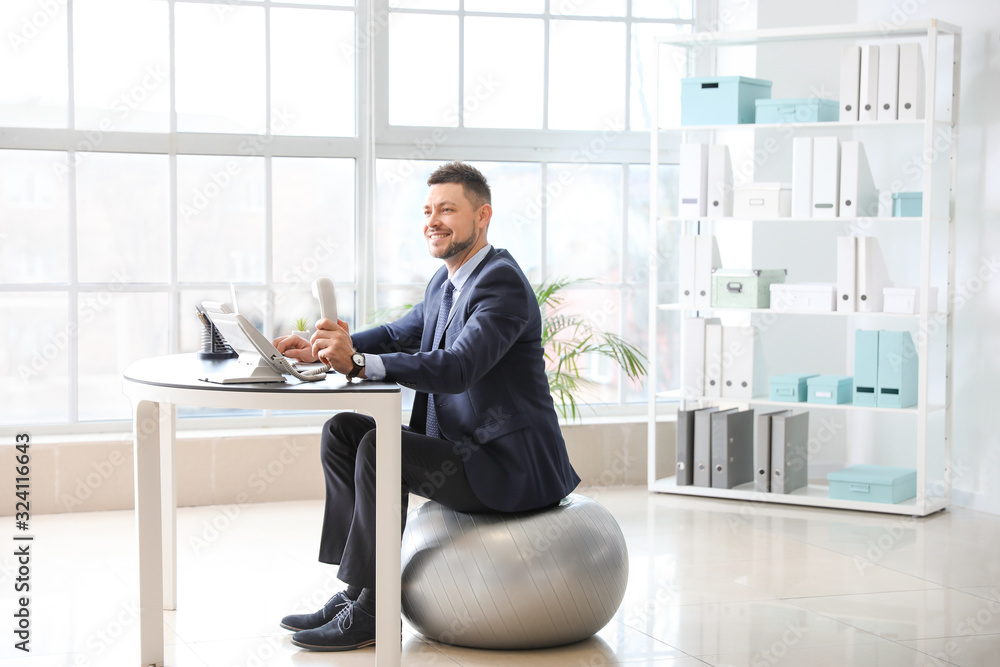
(433, 429)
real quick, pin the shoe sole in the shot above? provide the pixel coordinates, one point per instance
(369, 642)
(288, 627)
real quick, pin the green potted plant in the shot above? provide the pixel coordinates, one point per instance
(301, 328)
(569, 339)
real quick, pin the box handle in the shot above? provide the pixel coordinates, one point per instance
(784, 391)
(860, 488)
(734, 287)
(709, 85)
(756, 201)
(824, 394)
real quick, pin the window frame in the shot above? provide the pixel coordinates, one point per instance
(542, 146)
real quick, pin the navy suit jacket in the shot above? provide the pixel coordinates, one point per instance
(491, 393)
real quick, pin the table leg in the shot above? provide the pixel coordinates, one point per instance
(388, 542)
(146, 415)
(168, 508)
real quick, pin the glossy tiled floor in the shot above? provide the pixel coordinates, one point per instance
(711, 583)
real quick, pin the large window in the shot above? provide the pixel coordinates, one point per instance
(153, 151)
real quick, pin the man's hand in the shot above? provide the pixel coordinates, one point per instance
(295, 347)
(332, 345)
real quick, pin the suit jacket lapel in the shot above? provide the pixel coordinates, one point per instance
(467, 287)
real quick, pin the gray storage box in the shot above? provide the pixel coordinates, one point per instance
(744, 288)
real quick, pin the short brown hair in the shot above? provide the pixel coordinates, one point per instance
(477, 190)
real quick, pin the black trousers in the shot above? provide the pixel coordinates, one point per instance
(431, 468)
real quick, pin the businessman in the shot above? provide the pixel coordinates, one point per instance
(483, 436)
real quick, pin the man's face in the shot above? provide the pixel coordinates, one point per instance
(452, 225)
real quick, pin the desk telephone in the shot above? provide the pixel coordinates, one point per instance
(259, 360)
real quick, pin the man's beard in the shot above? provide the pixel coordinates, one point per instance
(456, 247)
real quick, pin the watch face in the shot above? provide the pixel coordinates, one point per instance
(358, 358)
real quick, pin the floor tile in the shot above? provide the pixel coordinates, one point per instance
(617, 644)
(964, 651)
(711, 582)
(911, 615)
(956, 564)
(278, 650)
(882, 653)
(748, 626)
(812, 577)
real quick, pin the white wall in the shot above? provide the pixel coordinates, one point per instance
(976, 397)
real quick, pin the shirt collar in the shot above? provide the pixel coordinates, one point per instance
(462, 274)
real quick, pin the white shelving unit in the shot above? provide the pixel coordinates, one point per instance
(937, 222)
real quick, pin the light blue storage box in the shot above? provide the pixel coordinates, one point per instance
(877, 484)
(907, 204)
(721, 100)
(865, 368)
(797, 110)
(790, 387)
(897, 370)
(830, 389)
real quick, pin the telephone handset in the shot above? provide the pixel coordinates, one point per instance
(322, 289)
(264, 362)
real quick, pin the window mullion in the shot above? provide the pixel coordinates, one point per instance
(73, 297)
(461, 63)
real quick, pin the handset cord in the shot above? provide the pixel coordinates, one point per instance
(309, 376)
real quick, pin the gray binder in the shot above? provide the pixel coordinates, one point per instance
(685, 445)
(703, 445)
(762, 451)
(732, 449)
(789, 452)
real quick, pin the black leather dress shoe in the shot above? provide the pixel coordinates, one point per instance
(298, 622)
(351, 628)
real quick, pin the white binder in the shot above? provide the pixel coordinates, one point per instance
(888, 81)
(858, 196)
(720, 182)
(713, 360)
(693, 186)
(911, 82)
(706, 258)
(873, 276)
(826, 177)
(686, 271)
(868, 84)
(802, 176)
(850, 82)
(847, 277)
(693, 363)
(737, 367)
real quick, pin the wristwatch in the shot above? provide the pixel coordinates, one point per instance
(358, 359)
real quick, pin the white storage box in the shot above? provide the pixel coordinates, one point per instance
(906, 300)
(815, 297)
(762, 201)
